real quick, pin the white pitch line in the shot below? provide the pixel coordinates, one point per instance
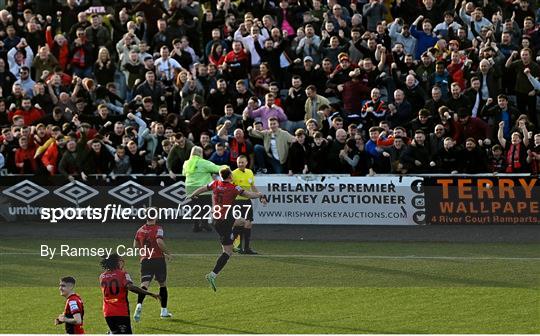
(320, 256)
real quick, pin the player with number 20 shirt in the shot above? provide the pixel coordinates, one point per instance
(115, 284)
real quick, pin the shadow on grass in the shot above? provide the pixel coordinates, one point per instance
(420, 276)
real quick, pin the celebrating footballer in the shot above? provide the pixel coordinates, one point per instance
(224, 193)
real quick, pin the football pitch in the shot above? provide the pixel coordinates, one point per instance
(294, 287)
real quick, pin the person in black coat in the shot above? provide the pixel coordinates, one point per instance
(489, 76)
(150, 87)
(310, 75)
(317, 158)
(496, 111)
(416, 158)
(98, 160)
(136, 158)
(298, 154)
(457, 100)
(446, 160)
(473, 158)
(423, 122)
(272, 55)
(435, 102)
(414, 93)
(394, 153)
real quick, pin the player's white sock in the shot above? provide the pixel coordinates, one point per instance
(164, 311)
(213, 274)
(138, 311)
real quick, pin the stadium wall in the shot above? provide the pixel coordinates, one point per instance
(299, 199)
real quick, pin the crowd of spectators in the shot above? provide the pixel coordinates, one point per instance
(338, 86)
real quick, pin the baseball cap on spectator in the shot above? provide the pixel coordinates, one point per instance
(308, 59)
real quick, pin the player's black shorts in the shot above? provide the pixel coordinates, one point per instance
(151, 268)
(224, 227)
(202, 200)
(119, 324)
(249, 214)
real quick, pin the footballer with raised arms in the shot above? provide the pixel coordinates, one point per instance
(223, 196)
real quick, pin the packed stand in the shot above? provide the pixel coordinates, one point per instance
(343, 87)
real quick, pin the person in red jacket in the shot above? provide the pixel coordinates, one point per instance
(471, 127)
(24, 157)
(237, 63)
(52, 155)
(59, 47)
(353, 92)
(29, 113)
(457, 68)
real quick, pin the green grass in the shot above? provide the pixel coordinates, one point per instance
(295, 288)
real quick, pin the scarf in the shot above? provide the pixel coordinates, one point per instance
(237, 149)
(513, 160)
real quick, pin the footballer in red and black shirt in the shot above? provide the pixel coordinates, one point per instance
(74, 310)
(150, 237)
(115, 284)
(224, 193)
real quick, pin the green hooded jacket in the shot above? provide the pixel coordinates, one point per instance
(198, 172)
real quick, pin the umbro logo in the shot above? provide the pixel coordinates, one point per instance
(175, 192)
(131, 192)
(76, 192)
(26, 191)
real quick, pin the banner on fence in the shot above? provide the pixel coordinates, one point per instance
(482, 200)
(24, 197)
(387, 200)
(310, 199)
